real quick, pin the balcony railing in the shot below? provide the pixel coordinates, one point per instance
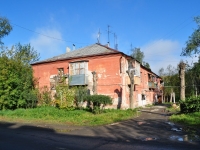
(81, 79)
(152, 85)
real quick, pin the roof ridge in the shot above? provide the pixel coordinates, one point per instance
(91, 50)
(108, 47)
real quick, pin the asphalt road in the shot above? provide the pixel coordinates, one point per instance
(151, 130)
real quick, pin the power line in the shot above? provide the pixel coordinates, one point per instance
(47, 35)
(177, 28)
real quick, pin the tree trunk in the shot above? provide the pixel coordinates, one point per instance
(170, 97)
(182, 80)
(174, 97)
(131, 76)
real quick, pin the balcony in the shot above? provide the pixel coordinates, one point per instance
(152, 85)
(137, 80)
(81, 79)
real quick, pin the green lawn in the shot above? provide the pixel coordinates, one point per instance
(191, 119)
(73, 117)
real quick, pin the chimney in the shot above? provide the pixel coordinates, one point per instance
(67, 49)
(108, 44)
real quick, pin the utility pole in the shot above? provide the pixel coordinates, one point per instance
(182, 80)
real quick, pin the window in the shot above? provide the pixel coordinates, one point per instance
(78, 73)
(77, 68)
(60, 71)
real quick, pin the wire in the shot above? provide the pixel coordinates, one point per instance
(47, 35)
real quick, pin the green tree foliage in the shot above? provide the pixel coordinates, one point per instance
(193, 71)
(139, 56)
(25, 53)
(65, 96)
(193, 43)
(16, 78)
(171, 81)
(192, 79)
(5, 28)
(146, 64)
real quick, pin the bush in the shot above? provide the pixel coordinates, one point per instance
(44, 97)
(97, 101)
(65, 97)
(191, 104)
(80, 95)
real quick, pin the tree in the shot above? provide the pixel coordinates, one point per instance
(25, 53)
(139, 56)
(5, 28)
(193, 43)
(146, 64)
(16, 77)
(171, 81)
(192, 79)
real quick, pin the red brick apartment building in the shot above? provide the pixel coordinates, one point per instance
(102, 70)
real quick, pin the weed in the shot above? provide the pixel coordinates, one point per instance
(73, 117)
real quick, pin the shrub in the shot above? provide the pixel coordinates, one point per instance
(80, 95)
(97, 101)
(65, 96)
(44, 97)
(191, 104)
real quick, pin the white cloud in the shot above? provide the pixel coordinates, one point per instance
(47, 43)
(161, 53)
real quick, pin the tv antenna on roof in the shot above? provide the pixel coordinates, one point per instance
(98, 36)
(108, 34)
(115, 41)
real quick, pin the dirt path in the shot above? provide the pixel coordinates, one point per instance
(151, 125)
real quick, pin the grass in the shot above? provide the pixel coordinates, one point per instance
(191, 119)
(174, 110)
(73, 117)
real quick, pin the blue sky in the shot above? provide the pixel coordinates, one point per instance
(159, 27)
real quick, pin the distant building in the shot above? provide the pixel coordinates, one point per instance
(102, 70)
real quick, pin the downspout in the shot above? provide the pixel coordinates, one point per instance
(94, 82)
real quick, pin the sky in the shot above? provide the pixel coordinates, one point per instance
(160, 28)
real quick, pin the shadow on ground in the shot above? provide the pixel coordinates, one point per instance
(151, 130)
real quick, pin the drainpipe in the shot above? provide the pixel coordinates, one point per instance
(94, 82)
